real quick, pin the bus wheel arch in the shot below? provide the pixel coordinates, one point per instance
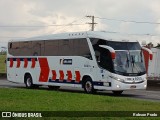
(87, 84)
(29, 81)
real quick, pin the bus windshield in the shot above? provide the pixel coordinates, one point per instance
(129, 59)
(129, 62)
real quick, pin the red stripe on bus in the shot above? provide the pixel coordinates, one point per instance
(78, 76)
(69, 73)
(54, 75)
(61, 75)
(25, 62)
(11, 62)
(44, 69)
(33, 63)
(18, 62)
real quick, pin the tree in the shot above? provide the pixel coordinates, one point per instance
(158, 45)
(150, 45)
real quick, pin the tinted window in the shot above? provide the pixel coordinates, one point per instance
(67, 47)
(38, 48)
(14, 48)
(116, 45)
(51, 48)
(124, 45)
(64, 48)
(25, 47)
(81, 48)
(73, 47)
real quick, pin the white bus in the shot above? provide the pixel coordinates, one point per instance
(82, 59)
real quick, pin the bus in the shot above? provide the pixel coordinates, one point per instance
(87, 60)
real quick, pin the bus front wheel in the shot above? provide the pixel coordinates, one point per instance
(88, 86)
(28, 81)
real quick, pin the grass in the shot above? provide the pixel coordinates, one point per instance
(38, 100)
(18, 99)
(2, 64)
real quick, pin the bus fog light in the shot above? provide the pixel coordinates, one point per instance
(145, 86)
(118, 86)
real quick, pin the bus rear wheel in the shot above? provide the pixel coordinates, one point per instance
(117, 92)
(88, 86)
(53, 87)
(29, 82)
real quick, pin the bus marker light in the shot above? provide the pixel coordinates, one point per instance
(113, 55)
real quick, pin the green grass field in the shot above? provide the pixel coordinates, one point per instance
(38, 100)
(2, 64)
(21, 99)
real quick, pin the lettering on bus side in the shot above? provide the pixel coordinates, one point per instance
(67, 62)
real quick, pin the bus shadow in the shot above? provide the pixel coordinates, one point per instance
(102, 93)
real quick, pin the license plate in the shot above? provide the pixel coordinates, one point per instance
(133, 86)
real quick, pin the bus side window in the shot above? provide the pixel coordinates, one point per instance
(38, 48)
(63, 47)
(97, 54)
(51, 48)
(35, 54)
(10, 48)
(25, 47)
(82, 48)
(15, 50)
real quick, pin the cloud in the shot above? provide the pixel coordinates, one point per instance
(47, 12)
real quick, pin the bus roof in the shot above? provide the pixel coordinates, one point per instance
(75, 35)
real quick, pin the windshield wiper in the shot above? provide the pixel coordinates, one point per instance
(127, 61)
(132, 61)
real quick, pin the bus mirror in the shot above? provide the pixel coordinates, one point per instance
(151, 56)
(149, 52)
(112, 51)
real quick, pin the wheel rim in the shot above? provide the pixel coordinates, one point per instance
(29, 82)
(88, 86)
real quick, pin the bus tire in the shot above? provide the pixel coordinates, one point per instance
(53, 87)
(29, 82)
(117, 92)
(88, 86)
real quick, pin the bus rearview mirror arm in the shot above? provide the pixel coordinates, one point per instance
(112, 51)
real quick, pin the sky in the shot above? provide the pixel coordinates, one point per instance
(15, 14)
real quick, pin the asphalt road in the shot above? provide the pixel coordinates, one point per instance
(152, 93)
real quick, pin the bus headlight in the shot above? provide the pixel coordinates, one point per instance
(118, 86)
(118, 79)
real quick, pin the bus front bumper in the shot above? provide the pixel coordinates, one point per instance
(117, 86)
